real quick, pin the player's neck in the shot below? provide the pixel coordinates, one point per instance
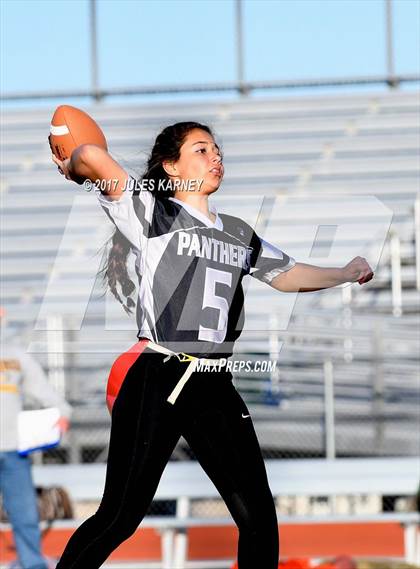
(199, 202)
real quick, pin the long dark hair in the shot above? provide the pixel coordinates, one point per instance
(167, 146)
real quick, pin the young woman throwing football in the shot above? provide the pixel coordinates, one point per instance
(190, 261)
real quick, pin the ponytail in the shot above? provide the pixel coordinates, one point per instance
(116, 272)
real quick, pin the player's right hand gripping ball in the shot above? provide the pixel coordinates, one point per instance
(71, 127)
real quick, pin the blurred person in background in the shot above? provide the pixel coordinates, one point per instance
(22, 377)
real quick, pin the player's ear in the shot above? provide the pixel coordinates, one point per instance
(170, 168)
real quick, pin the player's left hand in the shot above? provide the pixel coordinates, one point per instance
(358, 270)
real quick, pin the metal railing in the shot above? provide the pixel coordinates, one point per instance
(245, 87)
(239, 86)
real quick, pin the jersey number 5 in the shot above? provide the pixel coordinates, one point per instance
(211, 300)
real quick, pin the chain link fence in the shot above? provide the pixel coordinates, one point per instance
(312, 404)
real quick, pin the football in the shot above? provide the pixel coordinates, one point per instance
(71, 127)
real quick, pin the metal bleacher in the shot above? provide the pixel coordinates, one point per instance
(317, 161)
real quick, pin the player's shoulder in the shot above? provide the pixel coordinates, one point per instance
(236, 226)
(169, 217)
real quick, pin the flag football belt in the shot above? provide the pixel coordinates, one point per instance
(183, 357)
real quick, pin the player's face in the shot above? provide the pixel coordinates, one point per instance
(200, 159)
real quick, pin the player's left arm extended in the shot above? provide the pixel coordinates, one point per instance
(310, 278)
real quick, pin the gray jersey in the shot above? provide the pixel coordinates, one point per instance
(190, 270)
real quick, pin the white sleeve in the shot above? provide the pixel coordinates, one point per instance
(268, 260)
(132, 213)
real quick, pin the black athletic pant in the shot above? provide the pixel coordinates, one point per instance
(145, 429)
